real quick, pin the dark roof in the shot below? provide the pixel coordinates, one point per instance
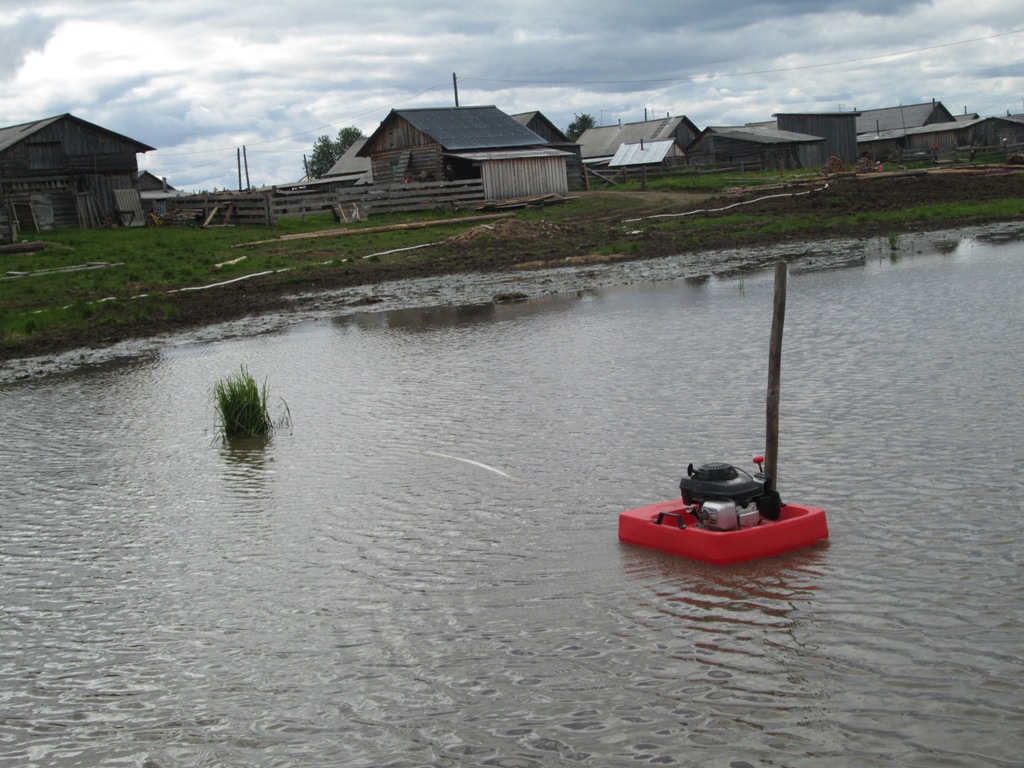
(759, 134)
(15, 133)
(525, 118)
(463, 128)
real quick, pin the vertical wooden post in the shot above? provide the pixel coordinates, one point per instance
(771, 448)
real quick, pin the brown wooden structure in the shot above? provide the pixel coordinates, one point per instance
(63, 171)
(464, 143)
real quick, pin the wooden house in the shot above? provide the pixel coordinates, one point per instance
(598, 145)
(66, 172)
(838, 129)
(1003, 132)
(903, 117)
(758, 147)
(460, 143)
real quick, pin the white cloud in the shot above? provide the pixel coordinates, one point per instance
(197, 80)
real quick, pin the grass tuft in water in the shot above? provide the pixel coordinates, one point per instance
(242, 406)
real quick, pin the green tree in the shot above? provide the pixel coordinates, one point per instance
(326, 151)
(579, 125)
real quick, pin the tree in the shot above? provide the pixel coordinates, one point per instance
(327, 152)
(579, 125)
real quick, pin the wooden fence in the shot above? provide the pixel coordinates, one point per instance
(266, 207)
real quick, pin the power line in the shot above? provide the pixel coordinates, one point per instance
(691, 78)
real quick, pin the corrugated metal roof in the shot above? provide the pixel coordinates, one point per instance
(459, 128)
(605, 140)
(521, 154)
(644, 153)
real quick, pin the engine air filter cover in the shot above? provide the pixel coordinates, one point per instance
(719, 480)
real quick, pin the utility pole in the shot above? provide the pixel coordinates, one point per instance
(455, 87)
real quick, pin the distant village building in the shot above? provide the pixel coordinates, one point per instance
(757, 146)
(902, 117)
(460, 143)
(352, 169)
(66, 172)
(599, 144)
(838, 129)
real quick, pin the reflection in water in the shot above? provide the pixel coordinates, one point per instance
(247, 461)
(424, 571)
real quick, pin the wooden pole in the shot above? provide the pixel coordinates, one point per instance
(771, 448)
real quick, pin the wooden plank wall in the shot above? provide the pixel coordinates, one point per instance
(267, 207)
(524, 177)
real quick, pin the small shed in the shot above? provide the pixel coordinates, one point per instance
(66, 172)
(459, 143)
(767, 148)
(155, 193)
(556, 139)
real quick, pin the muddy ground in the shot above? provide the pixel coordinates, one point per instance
(511, 246)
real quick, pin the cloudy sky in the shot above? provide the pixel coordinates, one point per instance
(198, 80)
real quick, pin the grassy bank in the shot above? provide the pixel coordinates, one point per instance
(98, 286)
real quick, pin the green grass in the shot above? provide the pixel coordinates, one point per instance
(241, 406)
(148, 263)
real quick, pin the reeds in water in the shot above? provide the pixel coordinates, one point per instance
(242, 406)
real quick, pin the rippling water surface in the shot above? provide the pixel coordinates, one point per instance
(425, 570)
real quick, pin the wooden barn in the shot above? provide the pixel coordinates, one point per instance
(66, 172)
(459, 143)
(838, 129)
(758, 147)
(903, 117)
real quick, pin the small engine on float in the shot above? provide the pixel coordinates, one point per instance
(725, 498)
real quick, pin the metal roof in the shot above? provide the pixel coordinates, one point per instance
(645, 153)
(461, 128)
(898, 133)
(508, 154)
(350, 164)
(904, 116)
(760, 135)
(605, 140)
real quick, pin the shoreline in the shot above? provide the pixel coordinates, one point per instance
(480, 288)
(642, 228)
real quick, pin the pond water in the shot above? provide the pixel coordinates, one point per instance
(424, 568)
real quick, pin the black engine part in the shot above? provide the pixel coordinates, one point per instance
(720, 480)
